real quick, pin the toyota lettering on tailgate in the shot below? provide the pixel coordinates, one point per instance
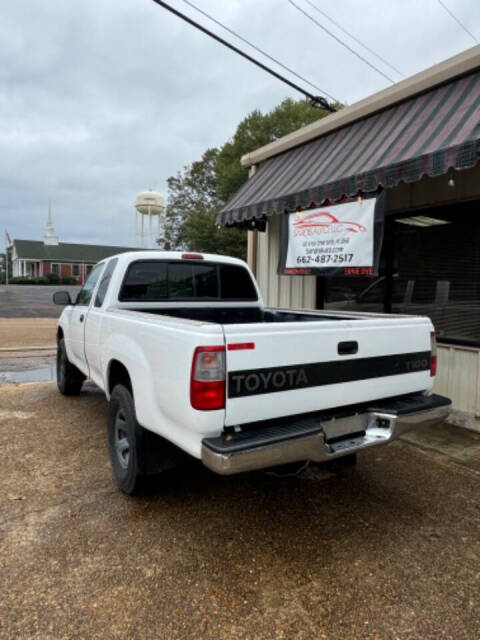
(267, 381)
(316, 374)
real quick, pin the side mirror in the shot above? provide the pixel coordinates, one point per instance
(62, 298)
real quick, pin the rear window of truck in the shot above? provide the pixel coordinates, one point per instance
(158, 281)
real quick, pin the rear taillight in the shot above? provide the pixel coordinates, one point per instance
(433, 356)
(207, 381)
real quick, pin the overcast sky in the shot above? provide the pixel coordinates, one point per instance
(100, 99)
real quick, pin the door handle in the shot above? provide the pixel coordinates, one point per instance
(82, 317)
(347, 348)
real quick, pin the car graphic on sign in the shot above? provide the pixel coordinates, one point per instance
(324, 219)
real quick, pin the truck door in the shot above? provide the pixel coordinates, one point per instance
(93, 348)
(77, 320)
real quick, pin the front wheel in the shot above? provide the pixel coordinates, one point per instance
(69, 378)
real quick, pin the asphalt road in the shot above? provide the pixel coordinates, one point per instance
(388, 550)
(31, 301)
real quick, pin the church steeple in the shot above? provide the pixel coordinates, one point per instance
(50, 237)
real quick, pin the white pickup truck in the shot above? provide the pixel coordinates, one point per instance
(191, 360)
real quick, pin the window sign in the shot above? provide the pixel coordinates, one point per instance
(341, 239)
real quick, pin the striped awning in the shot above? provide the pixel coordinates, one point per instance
(423, 136)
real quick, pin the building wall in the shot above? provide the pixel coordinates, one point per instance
(458, 378)
(66, 269)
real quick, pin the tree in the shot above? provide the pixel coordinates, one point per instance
(191, 191)
(203, 235)
(257, 130)
(197, 193)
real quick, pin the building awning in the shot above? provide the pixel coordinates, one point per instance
(423, 136)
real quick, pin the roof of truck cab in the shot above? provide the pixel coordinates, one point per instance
(158, 254)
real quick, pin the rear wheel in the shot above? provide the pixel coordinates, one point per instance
(125, 441)
(69, 378)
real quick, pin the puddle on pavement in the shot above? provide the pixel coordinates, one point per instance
(42, 374)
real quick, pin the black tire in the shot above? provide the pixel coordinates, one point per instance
(136, 454)
(125, 441)
(69, 378)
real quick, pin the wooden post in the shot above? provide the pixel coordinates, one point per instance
(252, 237)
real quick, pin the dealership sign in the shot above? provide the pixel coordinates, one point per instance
(342, 239)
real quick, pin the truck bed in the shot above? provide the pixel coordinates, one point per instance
(281, 362)
(245, 315)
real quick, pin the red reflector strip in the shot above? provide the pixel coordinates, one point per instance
(192, 256)
(237, 346)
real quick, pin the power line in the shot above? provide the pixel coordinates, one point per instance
(457, 20)
(339, 26)
(264, 53)
(340, 41)
(316, 101)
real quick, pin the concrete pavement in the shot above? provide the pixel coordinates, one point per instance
(31, 301)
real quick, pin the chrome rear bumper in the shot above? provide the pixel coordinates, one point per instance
(318, 440)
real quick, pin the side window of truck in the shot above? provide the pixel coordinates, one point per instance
(104, 282)
(85, 294)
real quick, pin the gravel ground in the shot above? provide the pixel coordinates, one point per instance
(389, 550)
(27, 332)
(31, 301)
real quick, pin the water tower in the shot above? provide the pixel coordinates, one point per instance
(148, 204)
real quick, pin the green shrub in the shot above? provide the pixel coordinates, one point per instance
(69, 280)
(27, 280)
(20, 280)
(53, 278)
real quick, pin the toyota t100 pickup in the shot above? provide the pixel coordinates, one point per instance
(191, 361)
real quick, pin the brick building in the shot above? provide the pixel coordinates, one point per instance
(37, 258)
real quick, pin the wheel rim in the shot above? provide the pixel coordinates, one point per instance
(122, 443)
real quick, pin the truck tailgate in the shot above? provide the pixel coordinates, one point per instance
(290, 368)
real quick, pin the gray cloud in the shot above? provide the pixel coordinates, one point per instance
(103, 98)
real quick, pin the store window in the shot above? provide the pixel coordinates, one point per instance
(55, 268)
(435, 272)
(76, 270)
